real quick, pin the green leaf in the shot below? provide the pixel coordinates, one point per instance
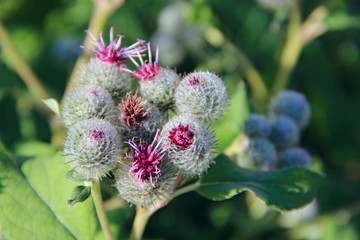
(46, 175)
(23, 215)
(34, 148)
(283, 190)
(229, 126)
(79, 194)
(53, 105)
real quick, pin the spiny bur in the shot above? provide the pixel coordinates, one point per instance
(202, 94)
(191, 144)
(92, 148)
(88, 101)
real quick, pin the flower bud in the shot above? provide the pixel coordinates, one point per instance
(294, 105)
(257, 125)
(139, 119)
(87, 101)
(285, 132)
(260, 154)
(104, 69)
(106, 75)
(202, 94)
(295, 157)
(146, 177)
(191, 144)
(92, 148)
(157, 84)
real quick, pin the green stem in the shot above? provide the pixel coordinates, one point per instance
(22, 68)
(186, 189)
(102, 11)
(291, 51)
(141, 218)
(96, 195)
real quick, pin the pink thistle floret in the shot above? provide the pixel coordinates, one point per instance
(181, 137)
(146, 160)
(146, 69)
(195, 81)
(97, 134)
(112, 53)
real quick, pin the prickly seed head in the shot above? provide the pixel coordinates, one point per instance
(106, 75)
(292, 104)
(157, 84)
(285, 132)
(147, 177)
(88, 101)
(92, 148)
(260, 154)
(295, 157)
(257, 125)
(191, 144)
(202, 94)
(139, 119)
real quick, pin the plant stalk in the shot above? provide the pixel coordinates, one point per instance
(141, 218)
(22, 68)
(291, 51)
(100, 210)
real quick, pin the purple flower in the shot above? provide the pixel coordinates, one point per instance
(194, 81)
(112, 53)
(181, 137)
(146, 160)
(146, 70)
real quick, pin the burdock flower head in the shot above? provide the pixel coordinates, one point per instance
(191, 144)
(147, 69)
(112, 53)
(105, 69)
(156, 83)
(146, 160)
(147, 177)
(181, 137)
(132, 109)
(139, 119)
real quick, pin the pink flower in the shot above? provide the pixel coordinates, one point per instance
(112, 53)
(146, 160)
(181, 136)
(146, 70)
(194, 81)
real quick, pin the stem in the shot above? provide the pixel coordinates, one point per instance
(96, 194)
(22, 68)
(141, 218)
(102, 11)
(291, 51)
(186, 189)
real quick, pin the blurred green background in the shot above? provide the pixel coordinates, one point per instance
(190, 34)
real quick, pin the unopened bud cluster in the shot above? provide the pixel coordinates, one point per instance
(113, 128)
(273, 140)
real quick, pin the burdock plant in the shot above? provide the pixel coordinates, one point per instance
(156, 143)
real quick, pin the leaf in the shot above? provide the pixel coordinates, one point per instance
(23, 215)
(34, 148)
(229, 126)
(282, 190)
(46, 175)
(79, 194)
(53, 105)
